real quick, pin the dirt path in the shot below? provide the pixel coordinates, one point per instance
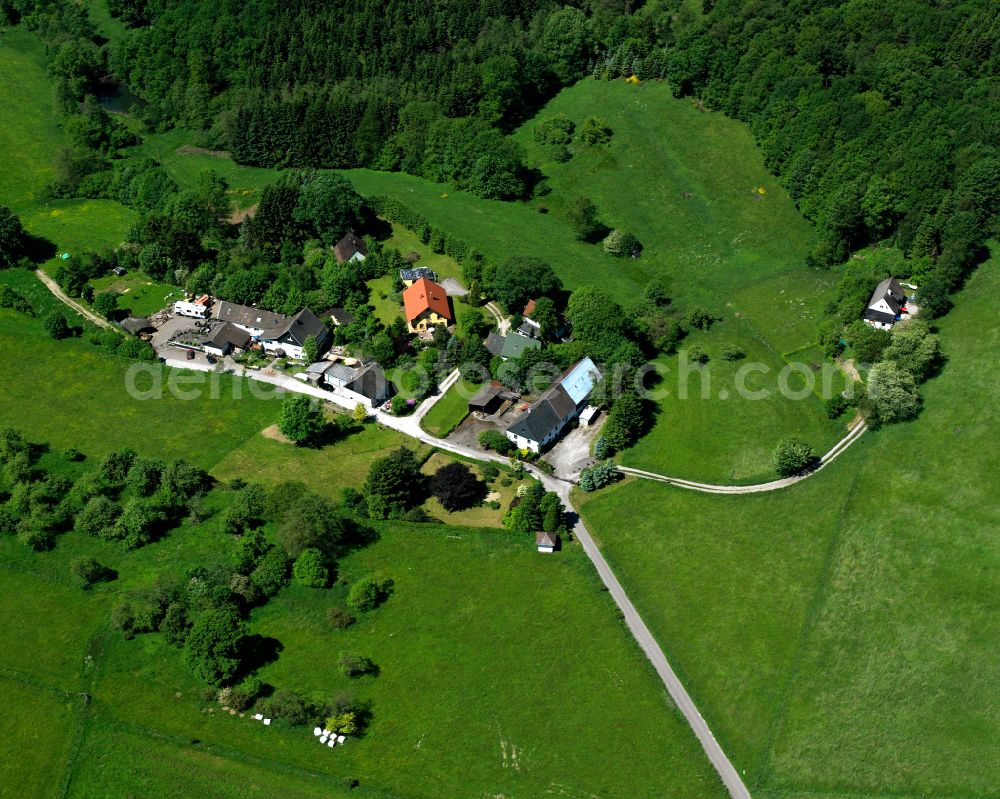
(503, 324)
(773, 485)
(82, 310)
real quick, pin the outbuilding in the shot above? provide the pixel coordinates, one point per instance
(546, 542)
(487, 400)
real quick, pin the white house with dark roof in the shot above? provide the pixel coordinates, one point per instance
(365, 383)
(276, 333)
(541, 424)
(887, 305)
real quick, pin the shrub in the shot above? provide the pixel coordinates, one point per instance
(309, 569)
(212, 645)
(299, 420)
(339, 618)
(98, 517)
(271, 574)
(731, 352)
(55, 325)
(288, 706)
(601, 448)
(496, 441)
(866, 341)
(697, 355)
(369, 592)
(233, 698)
(599, 476)
(621, 244)
(71, 454)
(701, 318)
(88, 571)
(175, 624)
(556, 129)
(355, 665)
(791, 456)
(490, 470)
(836, 405)
(595, 130)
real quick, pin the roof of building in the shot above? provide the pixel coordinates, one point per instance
(529, 309)
(529, 328)
(890, 291)
(318, 368)
(879, 316)
(558, 403)
(417, 272)
(544, 539)
(494, 343)
(136, 324)
(370, 381)
(588, 413)
(425, 295)
(248, 316)
(485, 396)
(340, 316)
(348, 247)
(515, 344)
(299, 327)
(227, 333)
(341, 372)
(579, 380)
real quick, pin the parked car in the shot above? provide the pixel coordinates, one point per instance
(190, 355)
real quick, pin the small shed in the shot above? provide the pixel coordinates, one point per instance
(487, 400)
(589, 415)
(546, 542)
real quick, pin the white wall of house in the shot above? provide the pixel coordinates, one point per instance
(879, 325)
(291, 350)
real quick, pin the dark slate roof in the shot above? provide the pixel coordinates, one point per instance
(228, 334)
(528, 329)
(136, 324)
(892, 292)
(494, 343)
(536, 422)
(248, 316)
(340, 316)
(485, 396)
(347, 247)
(299, 327)
(370, 382)
(416, 273)
(879, 316)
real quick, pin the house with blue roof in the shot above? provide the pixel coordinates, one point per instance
(540, 425)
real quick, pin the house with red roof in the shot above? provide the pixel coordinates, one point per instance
(426, 305)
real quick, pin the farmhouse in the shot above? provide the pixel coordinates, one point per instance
(225, 338)
(494, 343)
(275, 332)
(350, 248)
(290, 336)
(887, 305)
(426, 305)
(542, 423)
(413, 274)
(365, 383)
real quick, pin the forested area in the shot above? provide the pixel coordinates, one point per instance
(880, 118)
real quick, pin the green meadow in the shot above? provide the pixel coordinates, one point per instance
(839, 636)
(30, 139)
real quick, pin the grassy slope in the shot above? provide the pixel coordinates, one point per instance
(839, 635)
(31, 139)
(449, 411)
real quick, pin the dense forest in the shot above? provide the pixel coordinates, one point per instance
(881, 118)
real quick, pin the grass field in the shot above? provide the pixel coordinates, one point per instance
(67, 393)
(31, 139)
(140, 295)
(705, 428)
(840, 636)
(45, 721)
(449, 411)
(327, 469)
